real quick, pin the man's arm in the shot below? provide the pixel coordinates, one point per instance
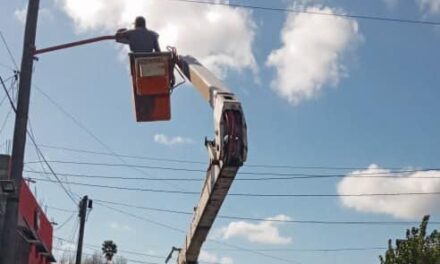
(122, 36)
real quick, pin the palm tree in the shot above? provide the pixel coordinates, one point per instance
(109, 249)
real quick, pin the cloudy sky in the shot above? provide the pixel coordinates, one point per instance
(323, 95)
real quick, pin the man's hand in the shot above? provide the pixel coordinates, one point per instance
(119, 34)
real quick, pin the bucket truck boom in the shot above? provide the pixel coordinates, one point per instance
(227, 153)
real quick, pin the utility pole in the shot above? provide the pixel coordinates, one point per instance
(83, 205)
(8, 254)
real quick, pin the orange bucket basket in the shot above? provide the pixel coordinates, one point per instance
(151, 85)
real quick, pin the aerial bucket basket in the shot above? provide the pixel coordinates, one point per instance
(151, 75)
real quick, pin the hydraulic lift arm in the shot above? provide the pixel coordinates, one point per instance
(227, 153)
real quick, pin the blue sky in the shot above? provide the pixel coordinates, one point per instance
(316, 91)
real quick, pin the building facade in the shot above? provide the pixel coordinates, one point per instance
(35, 231)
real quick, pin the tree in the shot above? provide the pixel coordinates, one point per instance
(109, 249)
(417, 248)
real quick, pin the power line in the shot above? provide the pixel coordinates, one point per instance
(7, 67)
(182, 179)
(58, 180)
(88, 176)
(68, 219)
(266, 219)
(120, 155)
(309, 12)
(312, 250)
(138, 189)
(10, 88)
(142, 218)
(273, 166)
(61, 209)
(125, 213)
(40, 154)
(119, 250)
(85, 163)
(8, 50)
(11, 101)
(90, 133)
(5, 121)
(86, 254)
(256, 252)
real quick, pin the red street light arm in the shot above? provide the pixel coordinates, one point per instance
(74, 44)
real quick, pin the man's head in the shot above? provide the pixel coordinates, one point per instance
(140, 22)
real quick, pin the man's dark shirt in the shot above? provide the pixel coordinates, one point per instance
(140, 39)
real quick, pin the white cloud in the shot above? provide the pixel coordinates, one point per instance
(120, 227)
(431, 7)
(221, 37)
(171, 141)
(397, 206)
(310, 57)
(212, 258)
(264, 232)
(20, 14)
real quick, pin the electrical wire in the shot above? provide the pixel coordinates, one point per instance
(272, 166)
(11, 101)
(312, 250)
(125, 213)
(120, 155)
(61, 209)
(68, 219)
(52, 171)
(85, 163)
(255, 195)
(7, 67)
(91, 134)
(182, 179)
(5, 121)
(119, 250)
(10, 88)
(406, 223)
(86, 254)
(243, 249)
(309, 12)
(36, 146)
(8, 50)
(39, 155)
(88, 176)
(142, 218)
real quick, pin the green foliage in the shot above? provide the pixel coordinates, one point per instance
(417, 248)
(109, 249)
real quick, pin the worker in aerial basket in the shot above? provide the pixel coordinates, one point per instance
(140, 39)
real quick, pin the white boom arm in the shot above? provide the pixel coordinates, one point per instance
(227, 152)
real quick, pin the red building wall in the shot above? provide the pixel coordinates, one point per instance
(34, 222)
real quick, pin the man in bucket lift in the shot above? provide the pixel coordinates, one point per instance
(140, 39)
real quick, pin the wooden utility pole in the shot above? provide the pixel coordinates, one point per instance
(8, 254)
(83, 205)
